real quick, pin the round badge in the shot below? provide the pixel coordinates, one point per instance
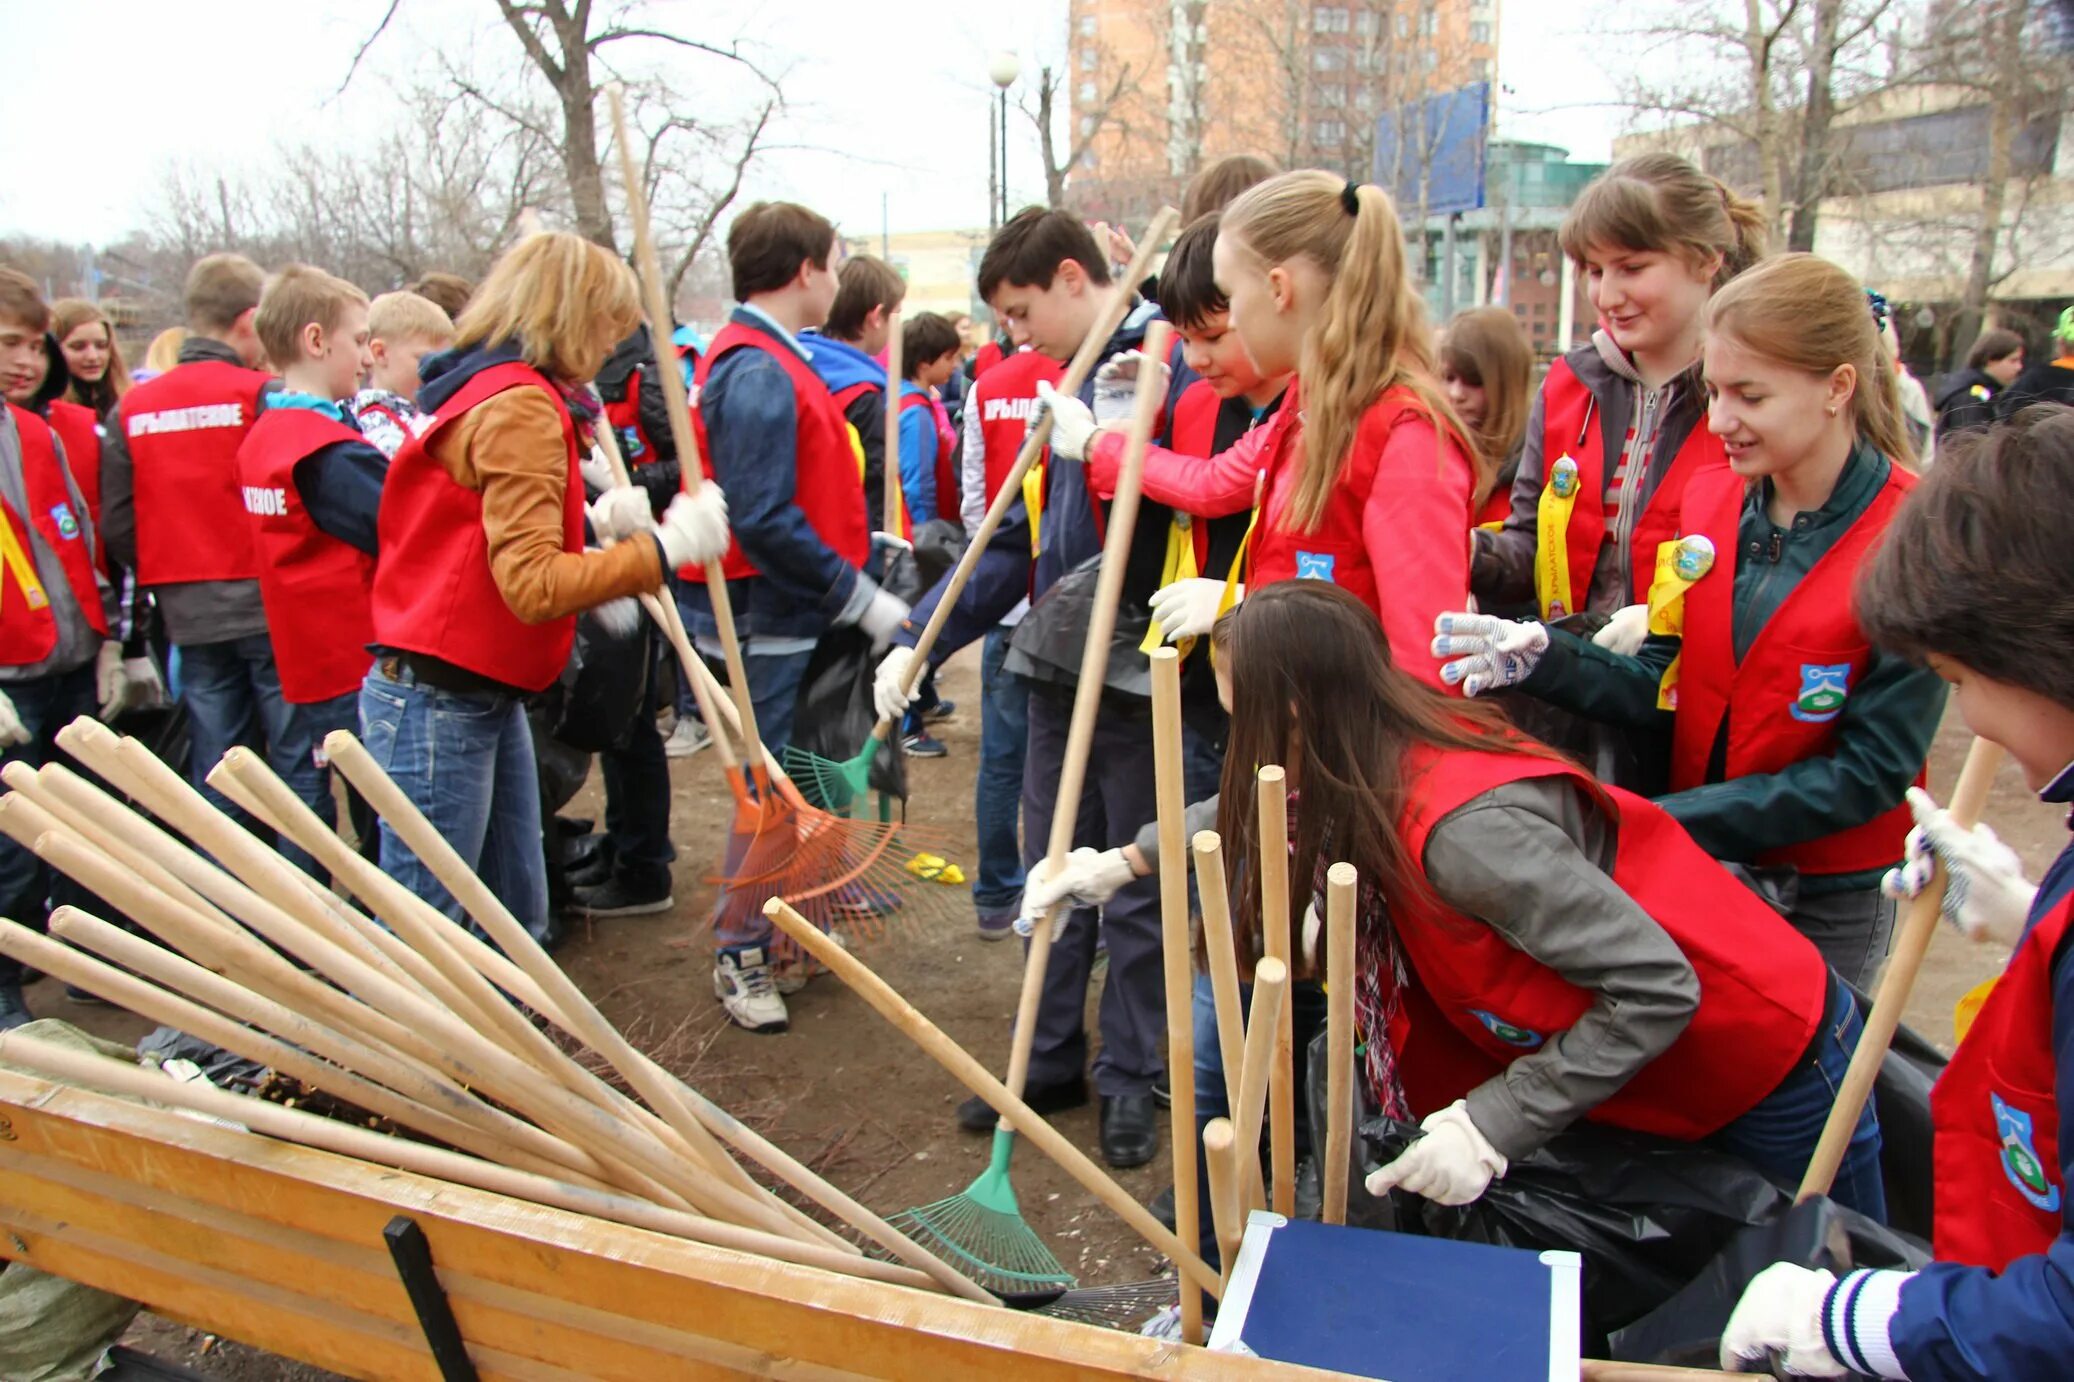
(1563, 479)
(1695, 557)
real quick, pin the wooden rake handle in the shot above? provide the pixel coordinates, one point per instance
(1340, 886)
(1172, 801)
(959, 1062)
(1273, 787)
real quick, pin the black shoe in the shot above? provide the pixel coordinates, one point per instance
(616, 898)
(84, 998)
(591, 872)
(14, 1009)
(1163, 1089)
(1130, 1130)
(977, 1115)
(1162, 1207)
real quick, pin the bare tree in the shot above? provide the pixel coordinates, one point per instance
(1114, 83)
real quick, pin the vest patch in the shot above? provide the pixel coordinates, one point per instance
(1315, 566)
(998, 409)
(630, 444)
(267, 501)
(196, 419)
(1506, 1032)
(1823, 689)
(67, 525)
(2020, 1159)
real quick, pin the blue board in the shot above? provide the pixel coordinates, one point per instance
(1401, 1308)
(1443, 147)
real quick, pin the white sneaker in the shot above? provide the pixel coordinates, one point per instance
(743, 984)
(791, 978)
(686, 739)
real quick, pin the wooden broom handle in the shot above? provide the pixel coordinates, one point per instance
(1171, 799)
(1270, 994)
(1208, 849)
(952, 1057)
(1918, 925)
(1087, 698)
(1220, 1159)
(1340, 886)
(1011, 492)
(1273, 788)
(889, 469)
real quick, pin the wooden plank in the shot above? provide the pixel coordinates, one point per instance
(289, 1223)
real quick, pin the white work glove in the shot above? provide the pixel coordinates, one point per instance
(1071, 422)
(1487, 652)
(1777, 1325)
(1988, 897)
(146, 689)
(1187, 608)
(891, 542)
(622, 511)
(1624, 632)
(596, 470)
(619, 617)
(1452, 1164)
(1089, 878)
(11, 731)
(882, 616)
(694, 527)
(1116, 386)
(111, 681)
(887, 697)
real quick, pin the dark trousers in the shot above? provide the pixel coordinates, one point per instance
(29, 888)
(637, 803)
(1116, 801)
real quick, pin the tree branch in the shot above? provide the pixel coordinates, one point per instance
(365, 44)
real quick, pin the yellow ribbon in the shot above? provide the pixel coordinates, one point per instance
(899, 495)
(1551, 540)
(1680, 563)
(19, 565)
(1178, 566)
(1234, 577)
(1033, 501)
(1969, 1006)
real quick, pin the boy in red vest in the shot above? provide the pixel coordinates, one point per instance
(928, 479)
(175, 515)
(1990, 522)
(52, 631)
(780, 446)
(402, 329)
(312, 487)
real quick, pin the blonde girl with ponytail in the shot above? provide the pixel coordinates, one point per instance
(1792, 738)
(1364, 476)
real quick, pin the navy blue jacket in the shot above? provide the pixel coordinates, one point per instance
(341, 483)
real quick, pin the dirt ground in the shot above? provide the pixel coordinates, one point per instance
(846, 1093)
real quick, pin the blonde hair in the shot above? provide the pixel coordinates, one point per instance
(404, 316)
(67, 315)
(164, 351)
(1486, 347)
(297, 297)
(564, 301)
(1661, 202)
(220, 289)
(1807, 314)
(1372, 335)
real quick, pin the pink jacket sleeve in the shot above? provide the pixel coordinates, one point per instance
(1208, 487)
(1416, 526)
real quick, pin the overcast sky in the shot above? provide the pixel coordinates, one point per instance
(102, 96)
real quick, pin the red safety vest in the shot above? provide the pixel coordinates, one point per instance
(316, 589)
(80, 430)
(1763, 986)
(1996, 1119)
(183, 429)
(946, 454)
(986, 357)
(844, 397)
(28, 631)
(623, 414)
(827, 487)
(1782, 701)
(433, 592)
(1337, 551)
(1193, 432)
(1006, 399)
(1570, 427)
(1496, 508)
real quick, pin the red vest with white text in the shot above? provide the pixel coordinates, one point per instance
(317, 589)
(28, 630)
(433, 591)
(1006, 397)
(183, 430)
(828, 487)
(1570, 427)
(1763, 985)
(1996, 1119)
(1781, 702)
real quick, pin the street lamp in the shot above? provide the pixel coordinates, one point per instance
(1003, 68)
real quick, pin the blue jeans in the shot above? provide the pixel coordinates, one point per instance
(467, 763)
(233, 696)
(28, 887)
(307, 772)
(1779, 1135)
(1004, 733)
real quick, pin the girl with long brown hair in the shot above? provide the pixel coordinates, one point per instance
(1533, 948)
(93, 357)
(1792, 738)
(1487, 368)
(1363, 477)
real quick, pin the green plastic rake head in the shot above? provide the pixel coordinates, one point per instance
(981, 1232)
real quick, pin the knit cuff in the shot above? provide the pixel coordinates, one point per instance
(1855, 1319)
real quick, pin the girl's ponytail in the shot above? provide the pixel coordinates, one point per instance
(1749, 234)
(1662, 203)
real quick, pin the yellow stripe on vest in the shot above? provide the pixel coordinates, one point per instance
(19, 565)
(1033, 502)
(1552, 539)
(1178, 566)
(1679, 564)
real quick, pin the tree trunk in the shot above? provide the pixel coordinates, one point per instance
(580, 145)
(1047, 148)
(1811, 178)
(2004, 31)
(1759, 45)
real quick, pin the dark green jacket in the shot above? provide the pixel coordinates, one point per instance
(1882, 736)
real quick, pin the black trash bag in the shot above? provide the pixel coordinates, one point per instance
(1901, 1098)
(1048, 642)
(603, 686)
(836, 715)
(1363, 1209)
(1686, 1330)
(939, 544)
